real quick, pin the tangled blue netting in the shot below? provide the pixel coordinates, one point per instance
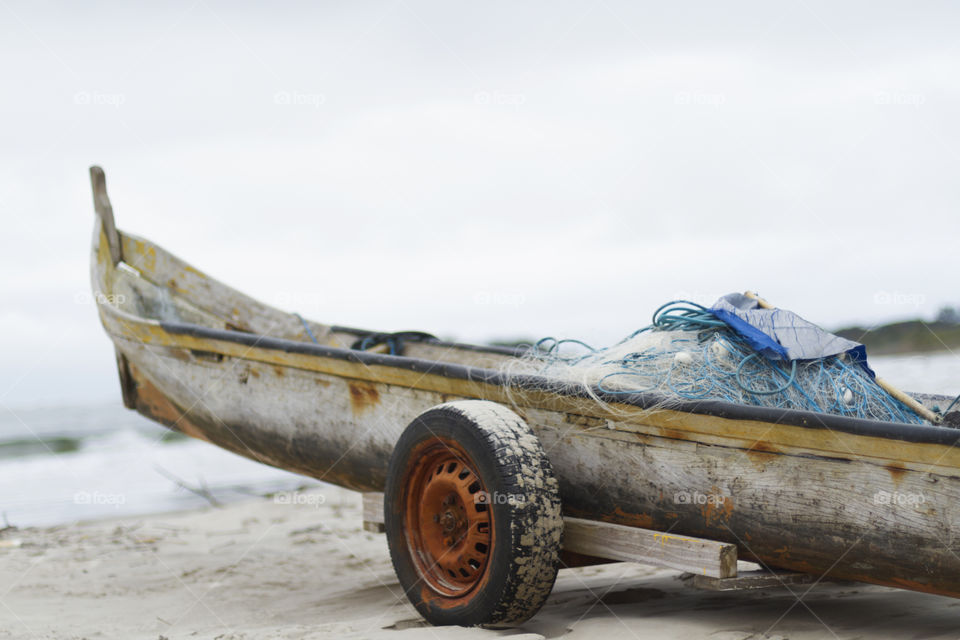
(688, 353)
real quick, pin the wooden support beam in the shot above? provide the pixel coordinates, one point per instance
(633, 544)
(758, 579)
(373, 512)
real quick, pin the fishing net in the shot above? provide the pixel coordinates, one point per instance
(689, 354)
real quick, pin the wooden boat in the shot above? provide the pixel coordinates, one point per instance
(821, 494)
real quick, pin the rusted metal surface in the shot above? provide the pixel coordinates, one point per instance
(797, 496)
(451, 530)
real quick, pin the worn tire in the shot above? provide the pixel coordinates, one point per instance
(509, 582)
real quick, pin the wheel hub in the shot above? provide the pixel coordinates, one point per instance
(450, 522)
(454, 524)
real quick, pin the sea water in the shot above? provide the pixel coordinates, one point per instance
(67, 464)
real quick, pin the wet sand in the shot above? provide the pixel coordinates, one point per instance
(299, 566)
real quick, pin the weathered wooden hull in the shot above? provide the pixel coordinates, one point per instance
(847, 498)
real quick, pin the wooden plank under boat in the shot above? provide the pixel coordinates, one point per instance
(841, 497)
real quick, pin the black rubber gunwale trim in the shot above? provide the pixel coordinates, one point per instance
(504, 351)
(921, 434)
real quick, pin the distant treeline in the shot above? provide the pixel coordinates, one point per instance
(911, 336)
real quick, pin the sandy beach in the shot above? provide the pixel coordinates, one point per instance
(299, 566)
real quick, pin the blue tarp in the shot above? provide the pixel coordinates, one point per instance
(783, 335)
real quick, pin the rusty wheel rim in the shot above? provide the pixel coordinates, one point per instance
(448, 519)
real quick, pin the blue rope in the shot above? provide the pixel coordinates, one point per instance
(377, 339)
(955, 400)
(306, 327)
(770, 392)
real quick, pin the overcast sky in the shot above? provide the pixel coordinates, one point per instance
(477, 170)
